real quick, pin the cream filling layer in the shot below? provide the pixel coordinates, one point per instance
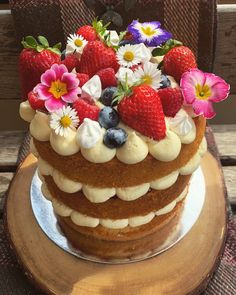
(84, 220)
(100, 195)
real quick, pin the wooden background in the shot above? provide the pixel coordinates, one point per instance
(224, 65)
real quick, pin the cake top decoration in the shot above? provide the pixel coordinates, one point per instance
(141, 78)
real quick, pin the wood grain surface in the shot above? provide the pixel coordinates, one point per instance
(185, 268)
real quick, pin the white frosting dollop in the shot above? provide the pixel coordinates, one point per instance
(133, 151)
(113, 37)
(126, 74)
(191, 166)
(26, 111)
(39, 126)
(166, 149)
(114, 223)
(165, 182)
(44, 167)
(64, 146)
(98, 153)
(183, 125)
(33, 149)
(61, 209)
(84, 220)
(166, 209)
(157, 59)
(45, 191)
(140, 220)
(98, 195)
(133, 192)
(92, 88)
(65, 184)
(203, 147)
(89, 133)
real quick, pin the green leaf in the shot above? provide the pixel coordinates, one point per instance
(55, 50)
(39, 48)
(159, 51)
(25, 45)
(31, 41)
(121, 35)
(43, 41)
(160, 65)
(58, 45)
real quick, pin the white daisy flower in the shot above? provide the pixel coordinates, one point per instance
(128, 55)
(63, 119)
(149, 74)
(126, 75)
(75, 44)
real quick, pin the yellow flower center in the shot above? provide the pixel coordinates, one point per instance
(128, 56)
(148, 31)
(202, 92)
(78, 42)
(147, 79)
(65, 121)
(58, 89)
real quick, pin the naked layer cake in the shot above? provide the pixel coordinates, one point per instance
(117, 124)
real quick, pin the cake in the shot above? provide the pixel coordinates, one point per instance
(117, 124)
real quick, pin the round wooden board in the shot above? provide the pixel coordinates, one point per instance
(185, 268)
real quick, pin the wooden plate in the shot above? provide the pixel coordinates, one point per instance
(185, 268)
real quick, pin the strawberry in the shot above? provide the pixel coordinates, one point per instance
(71, 62)
(86, 110)
(142, 111)
(34, 60)
(88, 32)
(34, 101)
(83, 78)
(96, 56)
(179, 60)
(171, 99)
(107, 77)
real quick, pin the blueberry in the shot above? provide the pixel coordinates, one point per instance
(63, 54)
(107, 95)
(108, 117)
(165, 82)
(125, 42)
(115, 137)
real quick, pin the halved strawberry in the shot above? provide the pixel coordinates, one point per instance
(107, 77)
(171, 99)
(86, 110)
(34, 101)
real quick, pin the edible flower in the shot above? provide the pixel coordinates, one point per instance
(57, 87)
(201, 89)
(63, 119)
(75, 44)
(149, 33)
(149, 74)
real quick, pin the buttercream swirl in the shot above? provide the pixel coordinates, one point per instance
(89, 133)
(26, 111)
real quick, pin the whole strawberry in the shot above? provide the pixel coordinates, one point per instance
(142, 111)
(171, 99)
(34, 60)
(83, 78)
(96, 56)
(71, 62)
(107, 77)
(178, 60)
(86, 110)
(88, 32)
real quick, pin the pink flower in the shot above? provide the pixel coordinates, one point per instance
(201, 89)
(58, 87)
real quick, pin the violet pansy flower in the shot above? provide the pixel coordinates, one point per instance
(201, 89)
(149, 33)
(58, 87)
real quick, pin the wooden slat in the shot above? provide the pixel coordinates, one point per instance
(9, 85)
(5, 179)
(225, 136)
(230, 181)
(225, 56)
(10, 144)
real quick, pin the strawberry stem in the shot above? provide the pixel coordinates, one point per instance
(40, 45)
(162, 50)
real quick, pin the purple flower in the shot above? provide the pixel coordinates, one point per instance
(58, 87)
(148, 33)
(201, 89)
